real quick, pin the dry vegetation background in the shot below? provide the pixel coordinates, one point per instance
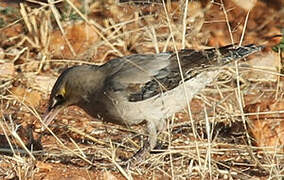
(238, 122)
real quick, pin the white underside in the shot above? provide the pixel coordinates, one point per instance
(161, 106)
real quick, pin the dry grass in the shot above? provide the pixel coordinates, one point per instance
(211, 139)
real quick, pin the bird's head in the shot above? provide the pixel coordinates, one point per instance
(73, 86)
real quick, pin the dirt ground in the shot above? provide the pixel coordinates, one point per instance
(235, 129)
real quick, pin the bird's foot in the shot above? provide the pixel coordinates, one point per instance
(138, 157)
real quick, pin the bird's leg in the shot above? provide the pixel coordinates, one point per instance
(148, 144)
(161, 126)
(152, 132)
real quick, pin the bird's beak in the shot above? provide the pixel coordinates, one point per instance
(50, 115)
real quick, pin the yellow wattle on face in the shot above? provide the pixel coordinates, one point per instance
(57, 102)
(72, 86)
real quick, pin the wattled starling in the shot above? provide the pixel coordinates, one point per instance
(142, 87)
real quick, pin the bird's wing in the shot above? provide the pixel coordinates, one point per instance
(131, 73)
(139, 77)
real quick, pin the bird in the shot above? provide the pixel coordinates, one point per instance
(141, 88)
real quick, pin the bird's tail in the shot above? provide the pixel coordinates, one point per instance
(230, 53)
(214, 57)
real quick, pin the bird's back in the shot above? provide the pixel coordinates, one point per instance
(149, 86)
(144, 76)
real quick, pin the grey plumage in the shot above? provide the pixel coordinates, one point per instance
(137, 88)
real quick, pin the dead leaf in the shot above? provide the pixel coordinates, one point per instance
(41, 83)
(27, 96)
(43, 166)
(267, 128)
(81, 37)
(12, 31)
(7, 69)
(245, 4)
(266, 65)
(2, 54)
(108, 176)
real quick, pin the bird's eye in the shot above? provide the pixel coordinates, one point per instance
(55, 101)
(59, 97)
